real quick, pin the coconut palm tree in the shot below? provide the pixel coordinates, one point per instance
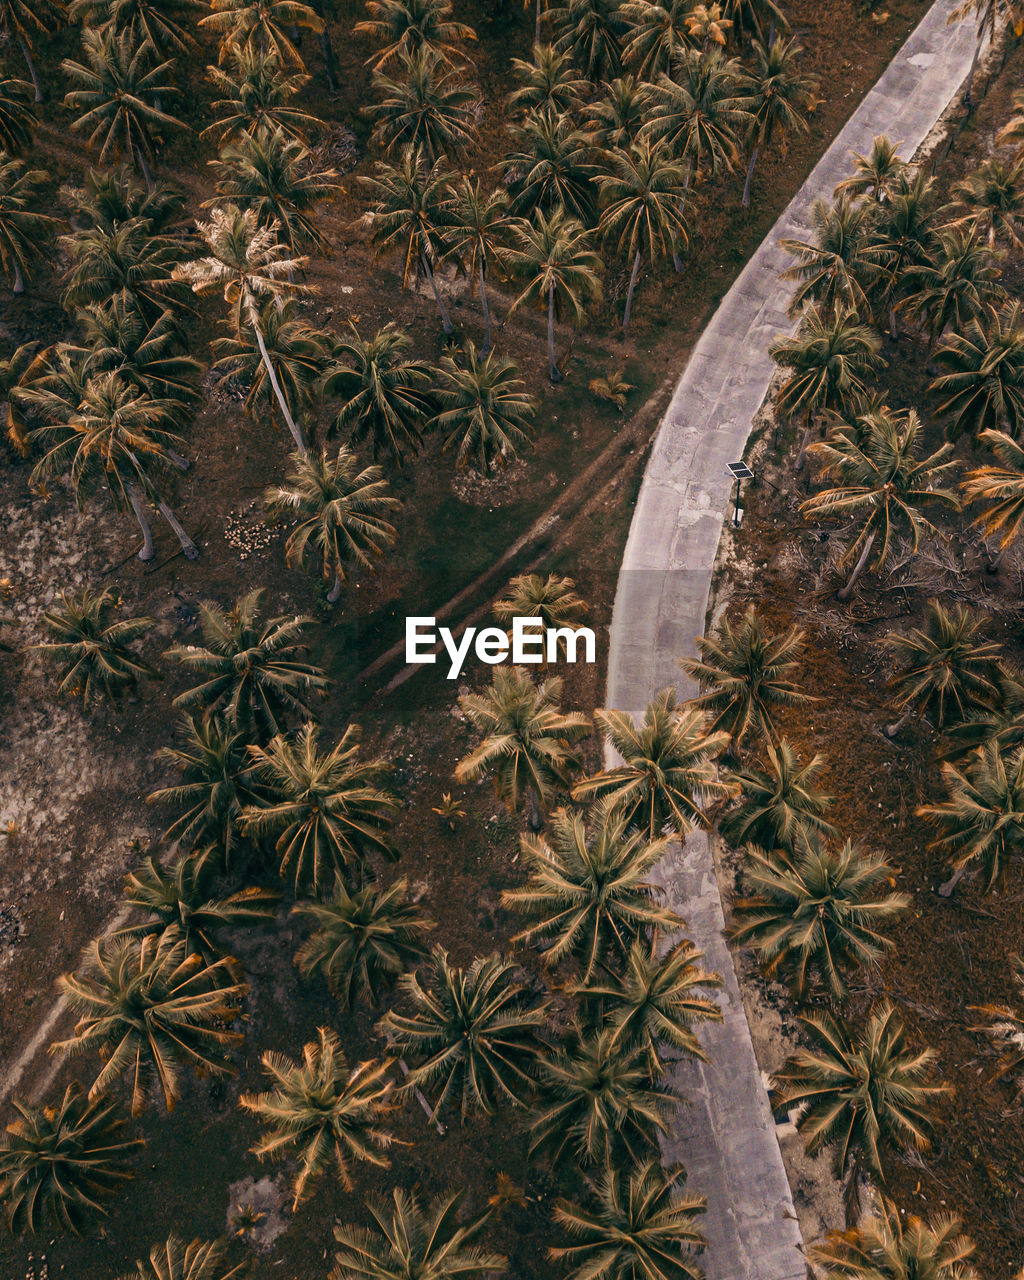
(248, 265)
(551, 598)
(411, 212)
(617, 118)
(19, 372)
(588, 895)
(944, 667)
(1006, 1029)
(483, 412)
(755, 19)
(527, 743)
(343, 509)
(591, 31)
(327, 812)
(95, 649)
(656, 36)
(1000, 488)
(635, 1226)
(173, 1259)
(253, 671)
(778, 98)
(152, 1008)
(17, 115)
(668, 773)
(218, 780)
(121, 440)
(362, 940)
(118, 95)
(657, 1000)
(700, 112)
(162, 24)
(321, 1111)
(387, 397)
(258, 95)
(549, 83)
(597, 1105)
(151, 355)
(984, 388)
(882, 484)
(112, 196)
(263, 26)
(125, 263)
(778, 803)
(182, 895)
(886, 1245)
(866, 1092)
(297, 351)
(553, 167)
(24, 232)
(832, 358)
(560, 268)
(993, 195)
(747, 677)
(408, 1242)
(22, 20)
(407, 26)
(272, 173)
(816, 912)
(58, 1164)
(424, 106)
(643, 214)
(1000, 723)
(906, 237)
(478, 228)
(982, 822)
(836, 269)
(958, 285)
(876, 174)
(472, 1033)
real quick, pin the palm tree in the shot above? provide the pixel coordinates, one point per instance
(176, 1260)
(700, 111)
(478, 228)
(387, 397)
(318, 1109)
(326, 811)
(959, 284)
(1000, 723)
(553, 253)
(254, 672)
(668, 773)
(984, 388)
(112, 196)
(121, 440)
(1000, 488)
(553, 167)
(944, 667)
(483, 412)
(836, 269)
(17, 115)
(412, 209)
(270, 172)
(407, 26)
(94, 648)
(263, 26)
(832, 359)
(875, 175)
(362, 940)
(816, 912)
(247, 264)
(881, 483)
(750, 18)
(343, 511)
(905, 237)
(152, 1008)
(597, 1104)
(22, 20)
(707, 25)
(591, 31)
(19, 372)
(527, 742)
(426, 108)
(472, 1031)
(747, 677)
(993, 195)
(982, 822)
(656, 37)
(126, 263)
(218, 779)
(182, 895)
(151, 355)
(257, 95)
(778, 803)
(552, 599)
(407, 1242)
(778, 98)
(657, 1000)
(549, 83)
(885, 1245)
(617, 118)
(644, 210)
(1006, 1029)
(24, 232)
(118, 96)
(162, 24)
(58, 1164)
(637, 1226)
(588, 896)
(865, 1092)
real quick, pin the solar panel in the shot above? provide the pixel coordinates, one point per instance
(739, 471)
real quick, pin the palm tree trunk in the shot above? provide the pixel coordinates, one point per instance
(300, 443)
(536, 29)
(750, 174)
(176, 459)
(445, 318)
(893, 327)
(805, 440)
(553, 372)
(19, 278)
(994, 561)
(135, 498)
(335, 591)
(536, 816)
(145, 170)
(187, 545)
(483, 306)
(858, 568)
(969, 94)
(26, 54)
(629, 293)
(891, 730)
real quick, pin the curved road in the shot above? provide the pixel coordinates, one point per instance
(726, 1137)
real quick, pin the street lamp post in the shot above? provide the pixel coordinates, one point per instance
(739, 471)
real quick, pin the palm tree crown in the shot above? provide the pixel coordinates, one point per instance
(94, 648)
(484, 414)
